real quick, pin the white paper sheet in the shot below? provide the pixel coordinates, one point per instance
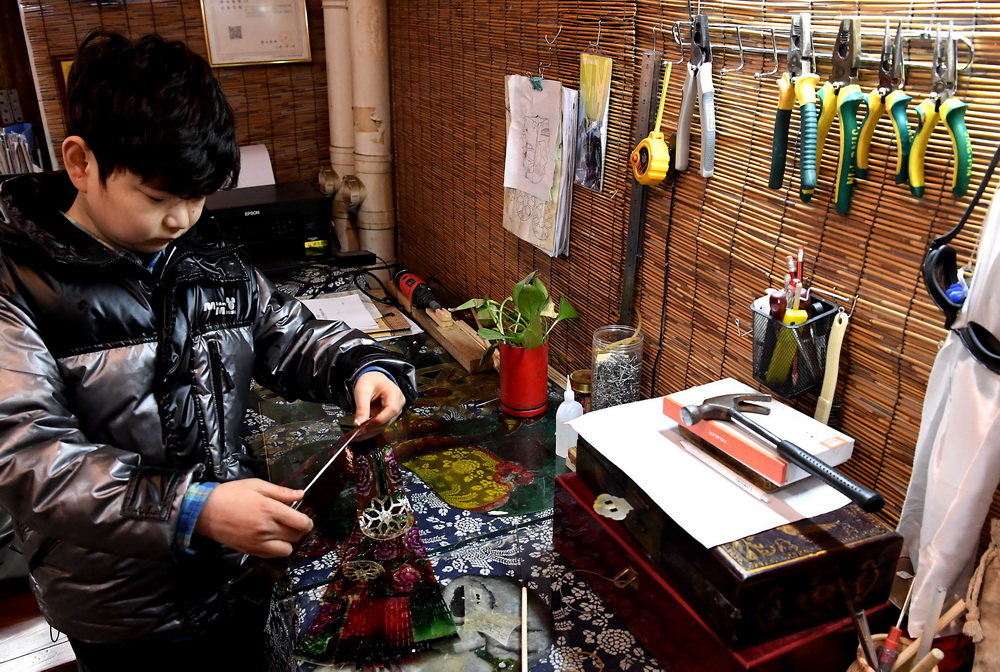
(255, 167)
(535, 123)
(545, 222)
(645, 444)
(348, 308)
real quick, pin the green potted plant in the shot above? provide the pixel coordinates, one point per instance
(519, 326)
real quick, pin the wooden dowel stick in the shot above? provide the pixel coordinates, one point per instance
(929, 662)
(906, 656)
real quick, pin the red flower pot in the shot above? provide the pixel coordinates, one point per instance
(524, 380)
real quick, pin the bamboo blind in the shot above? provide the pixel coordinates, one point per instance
(282, 106)
(723, 239)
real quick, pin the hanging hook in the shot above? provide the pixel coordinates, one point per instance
(774, 55)
(675, 30)
(739, 327)
(596, 46)
(739, 42)
(972, 51)
(550, 43)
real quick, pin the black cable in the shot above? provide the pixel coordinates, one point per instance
(388, 301)
(946, 238)
(666, 268)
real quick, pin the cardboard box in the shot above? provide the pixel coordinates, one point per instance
(826, 443)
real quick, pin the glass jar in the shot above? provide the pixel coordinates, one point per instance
(616, 370)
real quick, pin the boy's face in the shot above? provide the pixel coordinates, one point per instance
(124, 211)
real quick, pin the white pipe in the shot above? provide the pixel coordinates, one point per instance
(369, 23)
(339, 88)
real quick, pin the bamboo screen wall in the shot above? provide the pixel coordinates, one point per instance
(723, 239)
(296, 135)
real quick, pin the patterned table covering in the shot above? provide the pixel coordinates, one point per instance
(480, 485)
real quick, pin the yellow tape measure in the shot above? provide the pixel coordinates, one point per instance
(651, 158)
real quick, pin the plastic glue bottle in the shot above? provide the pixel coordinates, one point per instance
(565, 435)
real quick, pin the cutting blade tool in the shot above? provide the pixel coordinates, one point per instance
(698, 88)
(840, 97)
(798, 84)
(888, 97)
(942, 104)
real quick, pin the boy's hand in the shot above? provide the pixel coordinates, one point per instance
(252, 516)
(378, 401)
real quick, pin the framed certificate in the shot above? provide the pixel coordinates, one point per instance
(242, 32)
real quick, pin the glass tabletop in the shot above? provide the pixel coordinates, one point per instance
(480, 485)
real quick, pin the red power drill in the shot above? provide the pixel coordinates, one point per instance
(417, 291)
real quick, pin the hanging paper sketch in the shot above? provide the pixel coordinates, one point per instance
(592, 126)
(538, 166)
(532, 135)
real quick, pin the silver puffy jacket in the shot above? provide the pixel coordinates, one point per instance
(119, 387)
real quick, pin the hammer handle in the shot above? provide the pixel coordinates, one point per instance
(866, 498)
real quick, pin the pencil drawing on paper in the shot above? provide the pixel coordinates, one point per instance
(531, 211)
(536, 148)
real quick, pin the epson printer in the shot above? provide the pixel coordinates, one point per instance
(281, 226)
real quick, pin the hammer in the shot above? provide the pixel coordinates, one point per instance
(732, 407)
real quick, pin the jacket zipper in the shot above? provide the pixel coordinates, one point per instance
(221, 383)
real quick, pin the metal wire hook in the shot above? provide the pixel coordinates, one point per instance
(596, 46)
(774, 54)
(550, 43)
(675, 30)
(676, 35)
(739, 42)
(690, 15)
(741, 334)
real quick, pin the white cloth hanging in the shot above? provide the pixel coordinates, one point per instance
(956, 466)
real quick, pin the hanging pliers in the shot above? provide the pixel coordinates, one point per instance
(840, 97)
(797, 84)
(888, 97)
(942, 104)
(698, 86)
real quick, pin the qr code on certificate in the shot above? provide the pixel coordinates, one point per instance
(235, 32)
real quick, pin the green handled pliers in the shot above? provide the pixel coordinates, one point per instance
(840, 97)
(888, 97)
(798, 84)
(698, 88)
(942, 104)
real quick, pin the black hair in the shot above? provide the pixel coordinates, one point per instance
(153, 108)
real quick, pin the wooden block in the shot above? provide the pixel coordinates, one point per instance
(441, 316)
(467, 348)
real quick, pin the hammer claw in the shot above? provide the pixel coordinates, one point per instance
(744, 403)
(719, 408)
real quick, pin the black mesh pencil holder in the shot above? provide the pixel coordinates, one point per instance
(789, 358)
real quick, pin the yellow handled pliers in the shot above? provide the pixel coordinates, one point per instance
(888, 97)
(797, 85)
(942, 104)
(840, 97)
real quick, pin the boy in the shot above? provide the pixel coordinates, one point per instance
(128, 339)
